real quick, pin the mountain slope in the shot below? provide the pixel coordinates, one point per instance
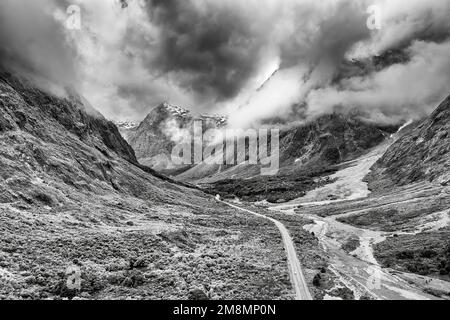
(420, 155)
(65, 138)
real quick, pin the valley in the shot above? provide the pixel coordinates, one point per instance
(74, 197)
(354, 229)
(333, 224)
(202, 150)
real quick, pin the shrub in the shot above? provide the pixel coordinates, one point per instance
(428, 253)
(197, 294)
(403, 255)
(44, 198)
(317, 280)
(133, 279)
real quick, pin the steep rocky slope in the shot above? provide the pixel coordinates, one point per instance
(332, 139)
(27, 108)
(64, 137)
(423, 154)
(73, 195)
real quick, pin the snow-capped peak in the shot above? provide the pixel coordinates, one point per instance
(126, 125)
(176, 110)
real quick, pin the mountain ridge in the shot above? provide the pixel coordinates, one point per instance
(419, 155)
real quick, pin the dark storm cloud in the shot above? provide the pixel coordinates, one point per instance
(214, 47)
(34, 44)
(203, 54)
(332, 38)
(420, 21)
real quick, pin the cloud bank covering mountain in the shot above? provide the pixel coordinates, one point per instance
(224, 57)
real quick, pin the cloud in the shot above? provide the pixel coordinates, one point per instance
(402, 91)
(311, 51)
(253, 60)
(34, 43)
(210, 47)
(406, 22)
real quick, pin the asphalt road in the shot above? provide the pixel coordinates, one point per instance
(295, 268)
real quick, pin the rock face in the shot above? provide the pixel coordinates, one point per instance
(423, 154)
(27, 108)
(331, 139)
(154, 139)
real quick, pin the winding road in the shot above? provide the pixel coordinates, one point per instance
(295, 268)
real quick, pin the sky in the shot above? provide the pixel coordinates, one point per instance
(252, 60)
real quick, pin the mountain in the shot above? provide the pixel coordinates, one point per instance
(76, 204)
(156, 136)
(326, 141)
(422, 154)
(309, 154)
(153, 139)
(332, 139)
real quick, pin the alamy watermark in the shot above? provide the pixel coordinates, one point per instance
(73, 20)
(73, 274)
(230, 147)
(374, 19)
(74, 15)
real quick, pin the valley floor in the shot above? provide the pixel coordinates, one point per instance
(126, 248)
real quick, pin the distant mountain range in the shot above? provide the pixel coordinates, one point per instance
(327, 140)
(317, 144)
(126, 126)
